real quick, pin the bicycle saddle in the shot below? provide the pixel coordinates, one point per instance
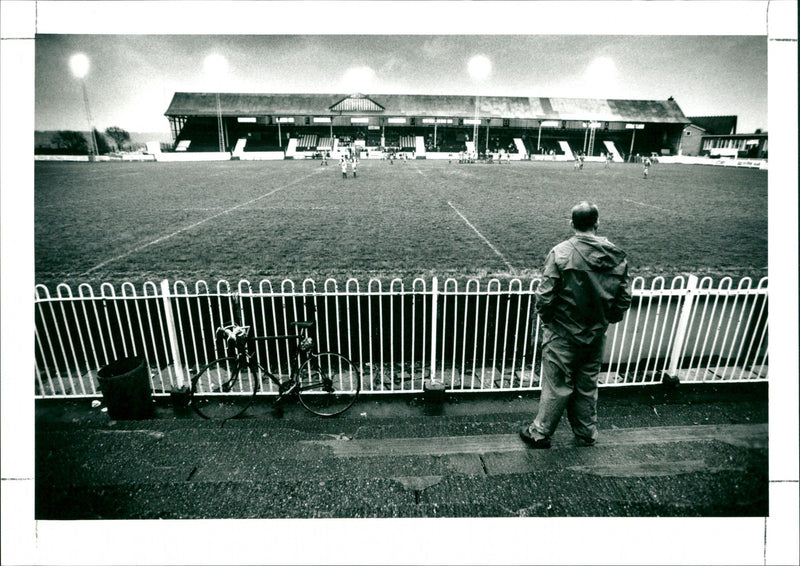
(302, 323)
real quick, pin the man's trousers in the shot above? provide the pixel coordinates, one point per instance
(569, 382)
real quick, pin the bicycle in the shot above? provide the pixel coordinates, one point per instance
(325, 383)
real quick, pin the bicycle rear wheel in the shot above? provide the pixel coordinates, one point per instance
(223, 389)
(329, 384)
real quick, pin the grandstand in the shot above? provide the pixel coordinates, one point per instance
(431, 126)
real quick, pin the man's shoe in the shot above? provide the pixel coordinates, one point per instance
(585, 442)
(541, 444)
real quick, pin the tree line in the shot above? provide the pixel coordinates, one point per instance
(76, 143)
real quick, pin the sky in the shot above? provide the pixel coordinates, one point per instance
(133, 77)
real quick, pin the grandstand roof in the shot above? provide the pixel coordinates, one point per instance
(723, 125)
(536, 108)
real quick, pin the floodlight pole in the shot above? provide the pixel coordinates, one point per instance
(93, 149)
(633, 137)
(585, 136)
(539, 140)
(476, 125)
(219, 125)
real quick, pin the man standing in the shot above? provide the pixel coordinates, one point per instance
(584, 288)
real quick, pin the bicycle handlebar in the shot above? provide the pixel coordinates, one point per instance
(234, 332)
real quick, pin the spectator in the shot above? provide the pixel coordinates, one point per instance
(584, 288)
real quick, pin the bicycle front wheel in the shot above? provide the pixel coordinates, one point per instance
(329, 384)
(223, 389)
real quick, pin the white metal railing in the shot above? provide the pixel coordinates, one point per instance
(472, 336)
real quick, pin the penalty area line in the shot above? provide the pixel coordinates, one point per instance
(485, 240)
(191, 226)
(649, 205)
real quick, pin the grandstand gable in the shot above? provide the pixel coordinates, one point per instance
(356, 103)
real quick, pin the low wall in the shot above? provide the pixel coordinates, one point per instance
(61, 158)
(260, 156)
(721, 162)
(278, 156)
(539, 157)
(134, 157)
(194, 156)
(103, 158)
(439, 155)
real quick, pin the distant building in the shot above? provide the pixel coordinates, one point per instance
(691, 140)
(751, 146)
(715, 136)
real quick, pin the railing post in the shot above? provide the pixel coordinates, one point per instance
(173, 334)
(433, 389)
(434, 325)
(683, 328)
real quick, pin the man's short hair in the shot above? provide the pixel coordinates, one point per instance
(584, 216)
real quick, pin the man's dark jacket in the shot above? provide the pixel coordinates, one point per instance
(584, 288)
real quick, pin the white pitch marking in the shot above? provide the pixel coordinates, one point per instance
(650, 205)
(482, 237)
(195, 225)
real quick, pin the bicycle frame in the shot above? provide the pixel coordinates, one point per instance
(298, 355)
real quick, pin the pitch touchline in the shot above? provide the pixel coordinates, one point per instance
(195, 225)
(482, 237)
(650, 205)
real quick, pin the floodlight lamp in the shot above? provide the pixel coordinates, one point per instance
(480, 67)
(79, 64)
(358, 79)
(215, 66)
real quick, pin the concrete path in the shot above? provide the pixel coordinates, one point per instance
(660, 453)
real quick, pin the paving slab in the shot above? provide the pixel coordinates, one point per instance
(660, 453)
(752, 436)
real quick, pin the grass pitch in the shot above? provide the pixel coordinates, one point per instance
(116, 222)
